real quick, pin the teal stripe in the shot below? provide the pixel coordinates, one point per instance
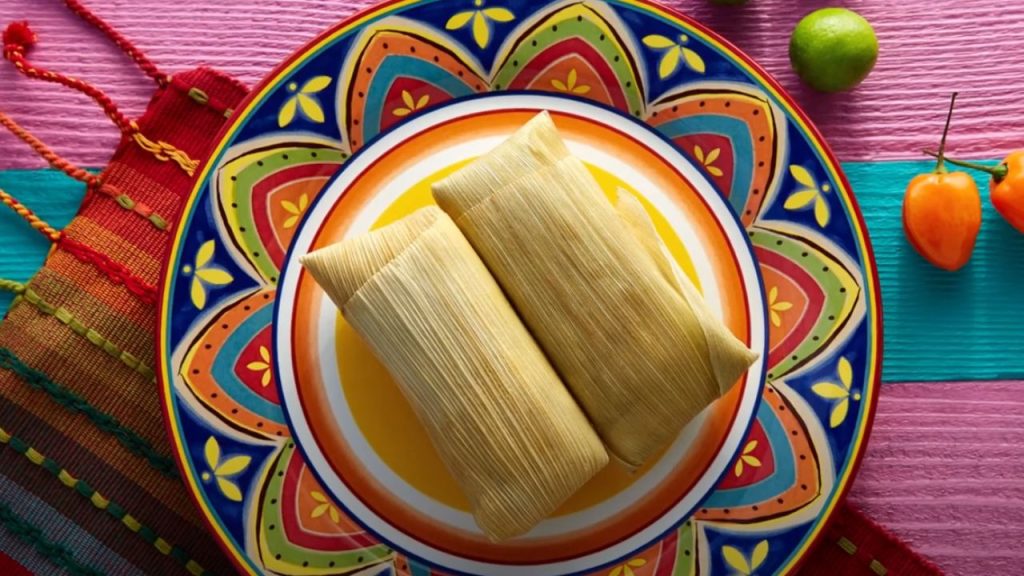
(942, 326)
(58, 528)
(938, 326)
(51, 195)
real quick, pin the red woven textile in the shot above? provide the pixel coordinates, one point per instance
(855, 545)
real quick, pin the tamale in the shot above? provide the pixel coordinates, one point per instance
(729, 356)
(621, 333)
(503, 423)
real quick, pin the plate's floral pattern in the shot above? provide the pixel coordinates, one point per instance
(225, 408)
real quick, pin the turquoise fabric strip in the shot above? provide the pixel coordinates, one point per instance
(51, 195)
(938, 326)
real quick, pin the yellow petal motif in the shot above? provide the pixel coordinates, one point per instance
(311, 108)
(319, 511)
(773, 295)
(318, 84)
(581, 90)
(637, 563)
(830, 391)
(257, 366)
(803, 176)
(734, 558)
(572, 78)
(212, 453)
(669, 62)
(750, 447)
(822, 213)
(287, 114)
(317, 496)
(782, 306)
(776, 318)
(752, 460)
(699, 153)
(230, 489)
(407, 98)
(264, 353)
(839, 413)
(233, 466)
(214, 276)
(693, 60)
(715, 171)
(289, 207)
(291, 222)
(423, 101)
(499, 14)
(713, 155)
(265, 380)
(658, 42)
(459, 20)
(481, 31)
(845, 372)
(402, 112)
(198, 293)
(801, 199)
(559, 85)
(759, 555)
(205, 253)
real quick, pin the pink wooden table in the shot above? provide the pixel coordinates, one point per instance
(945, 467)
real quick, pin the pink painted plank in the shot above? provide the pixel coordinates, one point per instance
(944, 471)
(929, 49)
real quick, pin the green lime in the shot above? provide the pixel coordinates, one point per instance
(833, 49)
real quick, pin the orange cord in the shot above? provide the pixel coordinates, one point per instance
(29, 216)
(94, 182)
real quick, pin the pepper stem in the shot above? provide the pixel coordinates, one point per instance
(940, 168)
(998, 173)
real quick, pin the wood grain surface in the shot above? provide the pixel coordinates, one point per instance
(944, 472)
(944, 468)
(929, 48)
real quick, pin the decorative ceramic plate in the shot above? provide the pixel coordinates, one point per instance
(300, 450)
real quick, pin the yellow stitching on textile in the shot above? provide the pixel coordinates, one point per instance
(67, 479)
(199, 96)
(97, 499)
(97, 339)
(162, 546)
(125, 201)
(164, 152)
(849, 547)
(131, 523)
(34, 457)
(877, 568)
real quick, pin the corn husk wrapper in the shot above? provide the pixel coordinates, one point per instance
(503, 423)
(613, 319)
(729, 357)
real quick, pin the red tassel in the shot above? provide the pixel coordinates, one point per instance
(18, 36)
